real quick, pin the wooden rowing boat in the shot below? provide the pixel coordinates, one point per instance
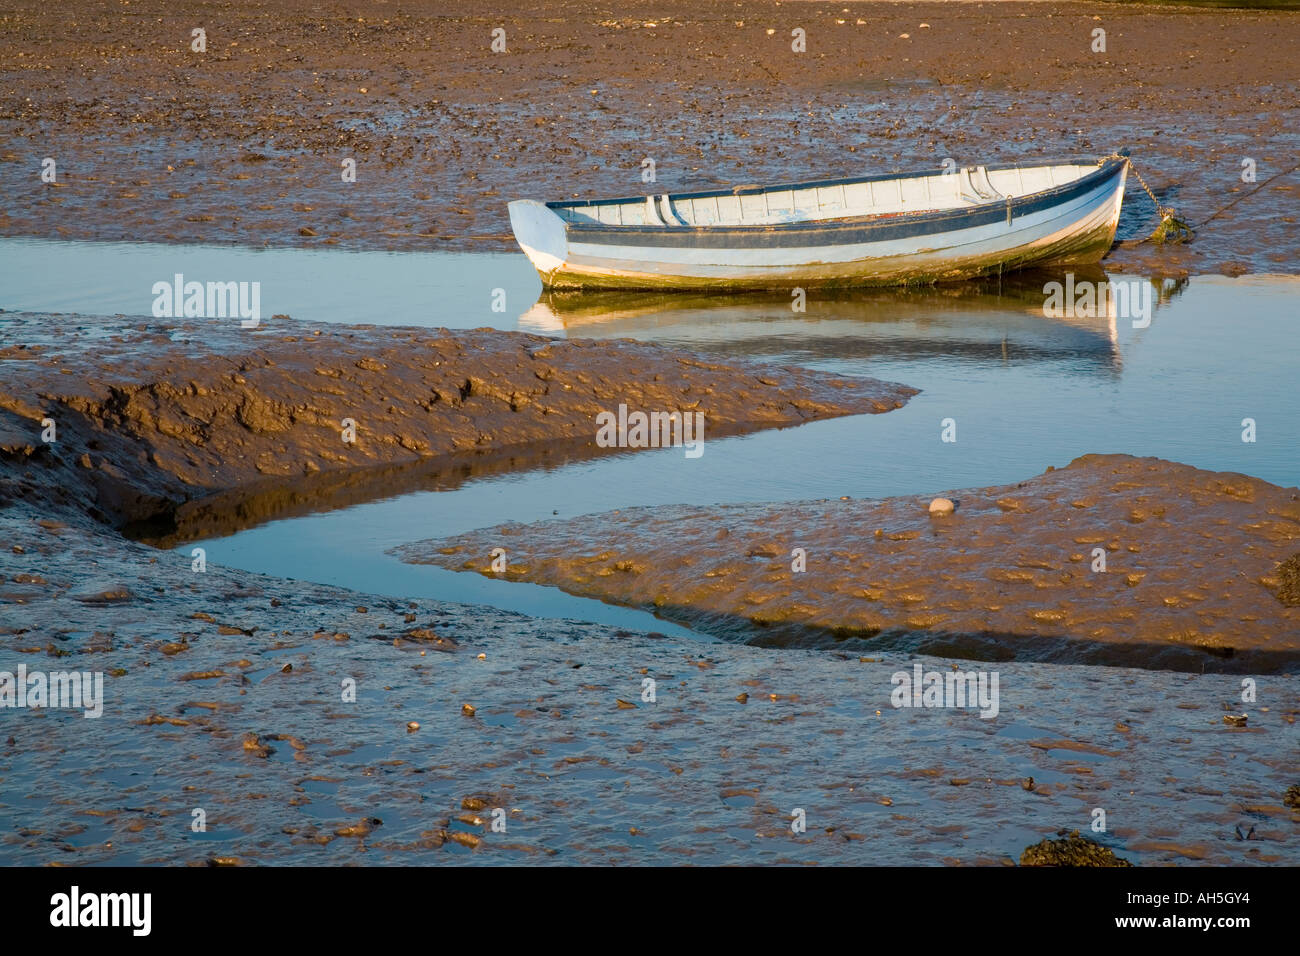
(879, 230)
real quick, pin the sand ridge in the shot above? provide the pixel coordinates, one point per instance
(152, 414)
(1112, 559)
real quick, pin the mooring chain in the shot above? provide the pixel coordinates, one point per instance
(1221, 211)
(1156, 202)
(1171, 228)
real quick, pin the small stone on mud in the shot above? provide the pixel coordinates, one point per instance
(112, 595)
(942, 506)
(255, 746)
(361, 829)
(425, 634)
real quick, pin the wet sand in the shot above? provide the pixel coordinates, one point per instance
(1111, 560)
(224, 693)
(153, 416)
(244, 143)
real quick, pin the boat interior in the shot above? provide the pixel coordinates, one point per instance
(895, 195)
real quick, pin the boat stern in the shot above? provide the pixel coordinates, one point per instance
(541, 235)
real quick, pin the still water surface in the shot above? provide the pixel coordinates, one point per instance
(1025, 392)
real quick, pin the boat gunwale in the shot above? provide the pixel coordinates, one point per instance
(1105, 166)
(844, 230)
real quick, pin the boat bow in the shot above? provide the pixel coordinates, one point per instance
(541, 234)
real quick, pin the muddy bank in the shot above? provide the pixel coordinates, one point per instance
(224, 693)
(1192, 579)
(150, 415)
(246, 141)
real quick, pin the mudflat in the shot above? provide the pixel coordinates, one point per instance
(313, 724)
(247, 141)
(149, 415)
(1110, 560)
(226, 692)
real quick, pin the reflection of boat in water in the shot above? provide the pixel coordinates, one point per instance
(978, 320)
(933, 226)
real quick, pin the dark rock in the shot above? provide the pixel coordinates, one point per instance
(1072, 850)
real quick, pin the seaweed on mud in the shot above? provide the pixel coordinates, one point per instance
(1288, 577)
(1172, 229)
(1072, 850)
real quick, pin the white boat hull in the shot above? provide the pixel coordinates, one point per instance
(1064, 225)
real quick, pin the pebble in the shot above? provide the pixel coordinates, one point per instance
(412, 726)
(942, 506)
